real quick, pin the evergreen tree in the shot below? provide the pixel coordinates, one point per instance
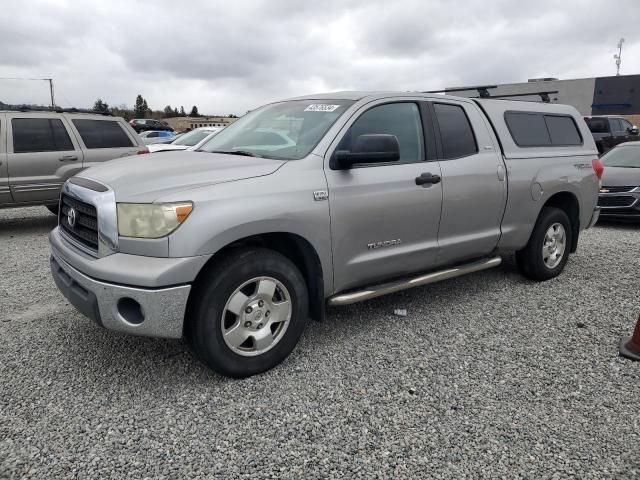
(194, 112)
(182, 112)
(100, 106)
(140, 108)
(168, 111)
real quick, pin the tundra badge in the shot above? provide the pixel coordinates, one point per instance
(385, 243)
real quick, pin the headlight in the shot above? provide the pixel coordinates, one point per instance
(151, 220)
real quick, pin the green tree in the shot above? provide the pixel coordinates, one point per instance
(145, 108)
(182, 112)
(140, 108)
(168, 111)
(194, 112)
(175, 112)
(100, 106)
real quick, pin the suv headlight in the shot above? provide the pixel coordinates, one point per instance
(151, 220)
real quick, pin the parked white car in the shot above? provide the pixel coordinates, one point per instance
(186, 141)
(156, 136)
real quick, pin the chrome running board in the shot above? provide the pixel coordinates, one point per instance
(406, 283)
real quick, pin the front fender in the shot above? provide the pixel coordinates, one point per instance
(278, 203)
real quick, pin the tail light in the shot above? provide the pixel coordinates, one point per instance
(143, 151)
(598, 167)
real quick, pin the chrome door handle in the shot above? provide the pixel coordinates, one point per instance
(68, 158)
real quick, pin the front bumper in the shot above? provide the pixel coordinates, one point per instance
(157, 312)
(624, 205)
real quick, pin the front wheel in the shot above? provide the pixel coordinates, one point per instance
(248, 313)
(547, 251)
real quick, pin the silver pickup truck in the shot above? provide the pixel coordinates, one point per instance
(326, 199)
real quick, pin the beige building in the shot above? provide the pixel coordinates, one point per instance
(180, 124)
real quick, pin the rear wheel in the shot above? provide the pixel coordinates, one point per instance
(248, 312)
(547, 251)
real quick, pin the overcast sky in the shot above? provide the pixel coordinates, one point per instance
(228, 57)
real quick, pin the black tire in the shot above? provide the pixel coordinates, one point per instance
(204, 322)
(530, 259)
(53, 209)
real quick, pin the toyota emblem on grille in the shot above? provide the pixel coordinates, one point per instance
(71, 217)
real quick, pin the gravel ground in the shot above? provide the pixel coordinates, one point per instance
(488, 375)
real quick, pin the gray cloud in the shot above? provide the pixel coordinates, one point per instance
(231, 56)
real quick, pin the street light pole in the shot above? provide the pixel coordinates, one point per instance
(53, 101)
(50, 80)
(618, 57)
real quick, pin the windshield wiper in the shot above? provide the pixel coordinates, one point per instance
(244, 153)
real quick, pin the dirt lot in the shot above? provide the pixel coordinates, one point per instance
(487, 375)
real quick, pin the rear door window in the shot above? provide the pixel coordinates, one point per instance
(536, 129)
(456, 133)
(40, 135)
(102, 134)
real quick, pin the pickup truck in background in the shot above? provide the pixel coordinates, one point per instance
(608, 131)
(325, 199)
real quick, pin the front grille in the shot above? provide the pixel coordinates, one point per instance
(616, 201)
(85, 230)
(605, 189)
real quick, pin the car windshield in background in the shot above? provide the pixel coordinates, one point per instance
(285, 131)
(626, 156)
(191, 138)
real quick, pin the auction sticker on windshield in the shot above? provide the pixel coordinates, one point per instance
(321, 107)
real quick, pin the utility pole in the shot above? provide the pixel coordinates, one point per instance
(618, 57)
(50, 80)
(53, 101)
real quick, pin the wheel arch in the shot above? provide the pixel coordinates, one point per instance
(567, 202)
(293, 246)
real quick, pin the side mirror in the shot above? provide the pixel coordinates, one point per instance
(370, 148)
(634, 130)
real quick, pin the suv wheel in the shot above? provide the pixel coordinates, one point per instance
(248, 312)
(547, 252)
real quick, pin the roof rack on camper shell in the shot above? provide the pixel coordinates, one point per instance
(483, 92)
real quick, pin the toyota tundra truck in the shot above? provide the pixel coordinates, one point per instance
(320, 200)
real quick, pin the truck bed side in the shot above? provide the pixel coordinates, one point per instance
(538, 175)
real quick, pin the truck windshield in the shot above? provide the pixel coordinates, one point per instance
(284, 131)
(625, 156)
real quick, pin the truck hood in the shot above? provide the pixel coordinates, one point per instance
(620, 176)
(145, 178)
